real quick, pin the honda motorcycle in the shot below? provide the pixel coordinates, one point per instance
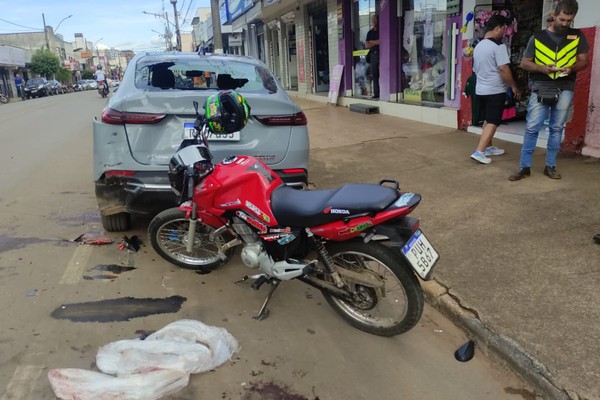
(356, 243)
(103, 89)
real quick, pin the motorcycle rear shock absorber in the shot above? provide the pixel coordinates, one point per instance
(326, 258)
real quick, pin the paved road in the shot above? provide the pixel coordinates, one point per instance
(302, 351)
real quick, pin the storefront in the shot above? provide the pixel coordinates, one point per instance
(418, 41)
(318, 45)
(526, 17)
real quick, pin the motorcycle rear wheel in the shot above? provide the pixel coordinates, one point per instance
(168, 233)
(390, 312)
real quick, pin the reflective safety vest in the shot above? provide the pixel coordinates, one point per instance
(563, 54)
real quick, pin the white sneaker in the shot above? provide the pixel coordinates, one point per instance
(477, 156)
(493, 151)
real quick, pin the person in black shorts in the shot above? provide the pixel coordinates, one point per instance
(494, 77)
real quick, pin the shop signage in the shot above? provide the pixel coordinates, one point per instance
(334, 84)
(85, 54)
(301, 71)
(238, 7)
(235, 39)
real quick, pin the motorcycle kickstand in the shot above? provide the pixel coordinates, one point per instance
(264, 311)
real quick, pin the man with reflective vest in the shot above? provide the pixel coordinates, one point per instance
(553, 57)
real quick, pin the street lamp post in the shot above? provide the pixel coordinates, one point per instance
(97, 52)
(61, 21)
(167, 34)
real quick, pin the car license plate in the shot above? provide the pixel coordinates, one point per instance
(420, 254)
(189, 131)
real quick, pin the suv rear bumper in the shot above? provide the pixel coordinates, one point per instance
(150, 192)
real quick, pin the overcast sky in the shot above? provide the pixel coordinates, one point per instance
(117, 23)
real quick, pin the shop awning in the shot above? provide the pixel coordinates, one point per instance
(253, 15)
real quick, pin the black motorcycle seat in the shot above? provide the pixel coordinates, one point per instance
(308, 208)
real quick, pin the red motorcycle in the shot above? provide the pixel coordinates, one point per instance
(355, 243)
(103, 89)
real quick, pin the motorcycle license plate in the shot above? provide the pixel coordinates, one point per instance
(188, 133)
(420, 254)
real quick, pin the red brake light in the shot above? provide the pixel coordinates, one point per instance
(293, 171)
(290, 119)
(116, 172)
(115, 117)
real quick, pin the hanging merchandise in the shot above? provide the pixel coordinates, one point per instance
(468, 19)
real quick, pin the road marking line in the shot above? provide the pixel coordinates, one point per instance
(22, 382)
(75, 267)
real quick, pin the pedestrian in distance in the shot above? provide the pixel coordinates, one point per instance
(552, 57)
(494, 78)
(19, 85)
(372, 43)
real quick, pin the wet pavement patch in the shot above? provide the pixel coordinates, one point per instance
(114, 268)
(12, 243)
(121, 309)
(271, 391)
(100, 277)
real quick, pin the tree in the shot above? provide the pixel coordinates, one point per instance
(64, 75)
(87, 74)
(45, 63)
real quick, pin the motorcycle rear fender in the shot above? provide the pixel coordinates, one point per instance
(397, 231)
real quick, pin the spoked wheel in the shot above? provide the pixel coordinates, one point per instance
(391, 310)
(168, 234)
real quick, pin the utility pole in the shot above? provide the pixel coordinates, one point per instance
(46, 32)
(177, 34)
(168, 32)
(216, 21)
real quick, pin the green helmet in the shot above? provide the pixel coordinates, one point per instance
(226, 112)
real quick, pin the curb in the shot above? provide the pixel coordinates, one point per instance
(497, 346)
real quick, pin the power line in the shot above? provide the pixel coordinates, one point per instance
(22, 26)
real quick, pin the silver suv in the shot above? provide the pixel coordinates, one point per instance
(152, 112)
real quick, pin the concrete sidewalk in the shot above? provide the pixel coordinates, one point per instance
(519, 270)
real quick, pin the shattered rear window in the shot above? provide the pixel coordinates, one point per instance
(203, 74)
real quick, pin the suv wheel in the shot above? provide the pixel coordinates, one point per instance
(116, 222)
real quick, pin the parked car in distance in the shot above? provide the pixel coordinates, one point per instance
(84, 84)
(36, 87)
(55, 87)
(92, 84)
(146, 120)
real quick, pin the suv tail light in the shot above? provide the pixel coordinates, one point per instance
(290, 119)
(115, 117)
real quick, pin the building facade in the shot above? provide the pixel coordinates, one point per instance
(425, 58)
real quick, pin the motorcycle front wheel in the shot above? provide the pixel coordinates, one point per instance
(391, 310)
(168, 233)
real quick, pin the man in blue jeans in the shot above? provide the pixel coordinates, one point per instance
(553, 57)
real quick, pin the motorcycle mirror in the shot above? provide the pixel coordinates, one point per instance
(465, 352)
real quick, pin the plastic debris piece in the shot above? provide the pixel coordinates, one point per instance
(148, 369)
(130, 243)
(31, 293)
(80, 384)
(465, 352)
(97, 238)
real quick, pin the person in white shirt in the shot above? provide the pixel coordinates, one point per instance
(99, 75)
(491, 65)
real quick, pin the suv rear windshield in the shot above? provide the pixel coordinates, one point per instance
(203, 74)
